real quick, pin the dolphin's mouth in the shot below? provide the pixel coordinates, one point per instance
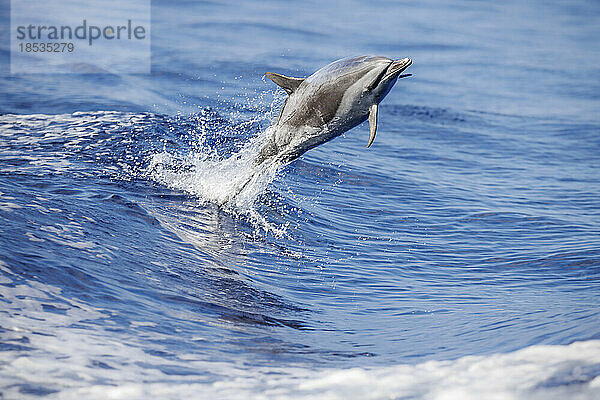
(397, 67)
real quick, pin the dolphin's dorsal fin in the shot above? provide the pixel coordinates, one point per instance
(372, 123)
(287, 83)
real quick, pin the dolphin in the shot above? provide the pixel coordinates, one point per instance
(328, 103)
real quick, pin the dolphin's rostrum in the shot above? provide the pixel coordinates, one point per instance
(331, 101)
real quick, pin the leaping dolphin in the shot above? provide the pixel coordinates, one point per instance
(331, 101)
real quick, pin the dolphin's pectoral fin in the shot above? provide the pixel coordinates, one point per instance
(372, 123)
(287, 83)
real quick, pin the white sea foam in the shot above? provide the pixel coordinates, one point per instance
(69, 361)
(537, 372)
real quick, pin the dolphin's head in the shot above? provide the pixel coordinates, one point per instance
(384, 74)
(365, 80)
(375, 76)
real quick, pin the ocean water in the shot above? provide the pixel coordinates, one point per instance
(458, 257)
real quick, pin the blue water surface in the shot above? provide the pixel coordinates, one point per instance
(470, 227)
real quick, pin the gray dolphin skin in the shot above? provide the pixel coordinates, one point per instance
(331, 101)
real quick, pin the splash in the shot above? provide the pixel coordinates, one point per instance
(213, 169)
(234, 181)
